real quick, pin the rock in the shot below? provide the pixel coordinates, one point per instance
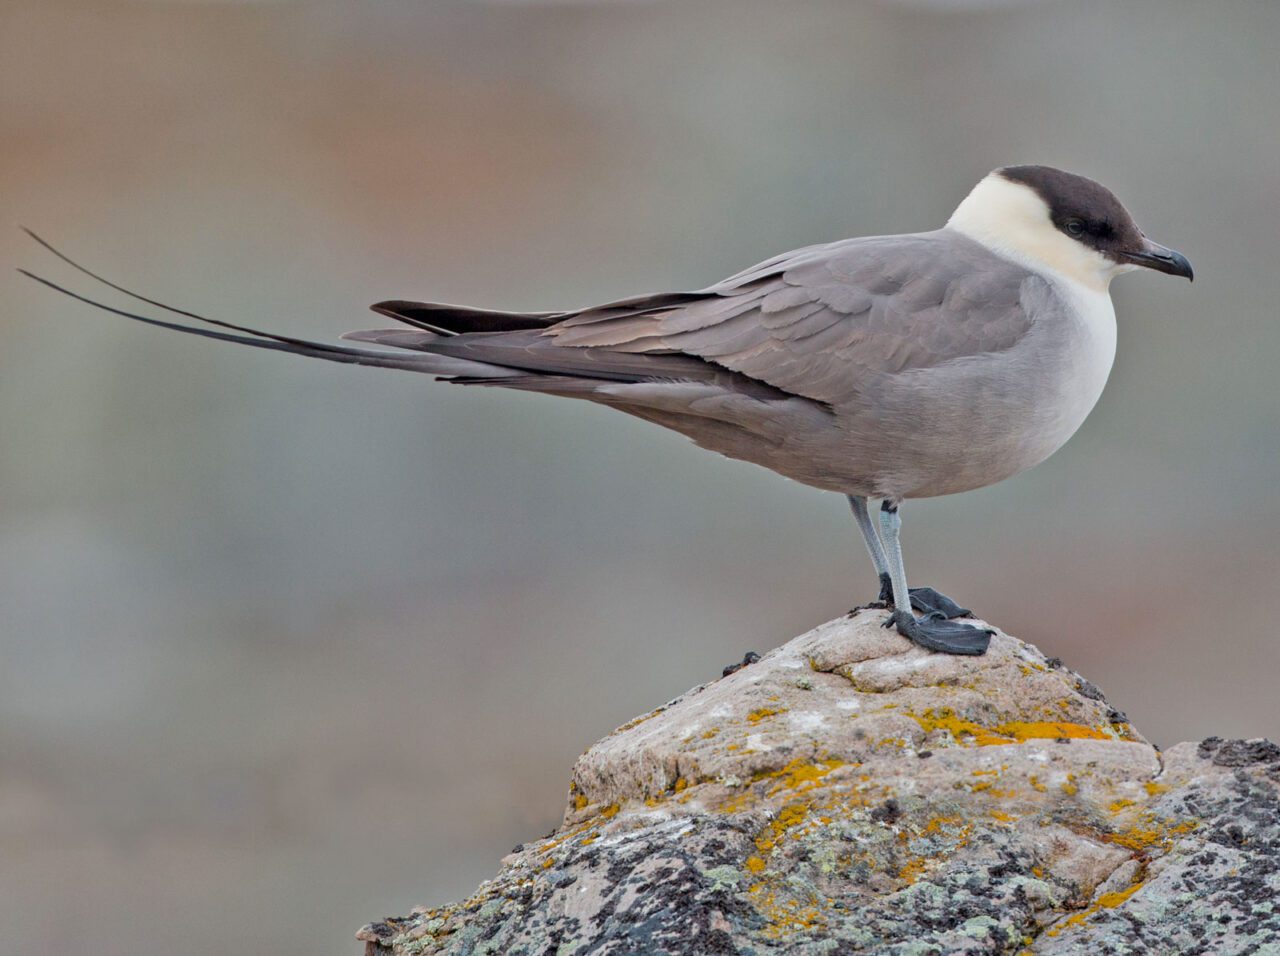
(850, 793)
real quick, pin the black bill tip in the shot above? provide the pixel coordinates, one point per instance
(1152, 255)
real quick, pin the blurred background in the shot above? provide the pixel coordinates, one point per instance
(287, 646)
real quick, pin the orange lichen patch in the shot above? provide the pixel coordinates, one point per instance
(989, 788)
(1038, 872)
(1002, 816)
(736, 802)
(958, 727)
(1154, 789)
(577, 831)
(912, 870)
(799, 775)
(937, 824)
(708, 734)
(588, 840)
(761, 713)
(610, 811)
(1123, 731)
(1069, 786)
(1050, 730)
(733, 747)
(755, 864)
(1118, 805)
(788, 917)
(1012, 732)
(1036, 784)
(1150, 835)
(984, 773)
(1105, 901)
(580, 801)
(788, 817)
(548, 863)
(1112, 900)
(680, 784)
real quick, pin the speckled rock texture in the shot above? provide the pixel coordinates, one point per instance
(850, 793)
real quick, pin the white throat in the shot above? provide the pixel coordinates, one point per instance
(1013, 221)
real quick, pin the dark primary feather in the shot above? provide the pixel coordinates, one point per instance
(446, 319)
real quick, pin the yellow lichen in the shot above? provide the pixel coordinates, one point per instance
(1001, 816)
(936, 824)
(1112, 900)
(799, 774)
(1010, 732)
(912, 870)
(761, 713)
(788, 816)
(755, 864)
(1105, 901)
(1050, 730)
(1151, 834)
(708, 734)
(1069, 786)
(1154, 789)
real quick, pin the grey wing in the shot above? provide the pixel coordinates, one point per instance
(818, 322)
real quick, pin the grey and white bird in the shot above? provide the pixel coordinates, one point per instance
(887, 367)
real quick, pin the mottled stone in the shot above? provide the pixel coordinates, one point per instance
(850, 793)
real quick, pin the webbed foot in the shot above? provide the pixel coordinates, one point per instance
(925, 600)
(936, 633)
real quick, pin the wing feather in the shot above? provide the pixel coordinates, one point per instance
(822, 321)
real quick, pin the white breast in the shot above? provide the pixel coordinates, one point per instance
(1094, 351)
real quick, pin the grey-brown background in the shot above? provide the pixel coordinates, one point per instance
(286, 645)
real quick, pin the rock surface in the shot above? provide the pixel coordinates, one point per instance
(850, 793)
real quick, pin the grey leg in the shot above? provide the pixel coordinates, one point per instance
(858, 504)
(933, 631)
(924, 600)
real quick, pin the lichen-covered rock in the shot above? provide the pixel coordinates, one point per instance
(850, 793)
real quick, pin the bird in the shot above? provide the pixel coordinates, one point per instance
(882, 368)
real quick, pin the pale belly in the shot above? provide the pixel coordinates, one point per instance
(984, 419)
(940, 430)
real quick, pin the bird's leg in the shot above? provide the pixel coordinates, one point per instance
(933, 631)
(871, 539)
(924, 600)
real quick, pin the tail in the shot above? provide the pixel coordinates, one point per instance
(423, 362)
(469, 346)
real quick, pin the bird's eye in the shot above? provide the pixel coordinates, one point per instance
(1074, 227)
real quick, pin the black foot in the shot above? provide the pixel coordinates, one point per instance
(938, 634)
(925, 600)
(748, 658)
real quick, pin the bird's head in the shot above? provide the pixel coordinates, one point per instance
(1069, 224)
